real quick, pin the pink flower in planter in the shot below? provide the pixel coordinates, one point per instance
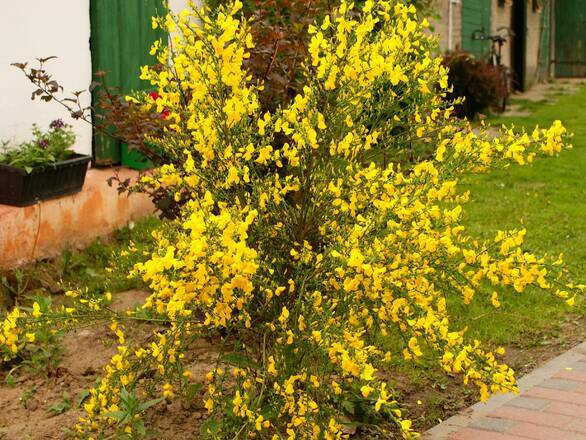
(57, 124)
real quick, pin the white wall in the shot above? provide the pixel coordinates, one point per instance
(41, 28)
(179, 5)
(37, 29)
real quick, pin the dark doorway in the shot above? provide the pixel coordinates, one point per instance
(518, 41)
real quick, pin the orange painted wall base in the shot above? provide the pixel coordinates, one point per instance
(45, 229)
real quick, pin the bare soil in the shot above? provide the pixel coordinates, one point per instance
(24, 405)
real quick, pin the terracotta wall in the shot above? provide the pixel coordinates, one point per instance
(45, 229)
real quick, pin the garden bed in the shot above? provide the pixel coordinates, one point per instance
(46, 405)
(26, 399)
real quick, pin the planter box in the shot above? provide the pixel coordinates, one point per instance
(19, 188)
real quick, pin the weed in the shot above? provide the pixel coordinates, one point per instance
(19, 286)
(27, 395)
(44, 355)
(60, 407)
(130, 410)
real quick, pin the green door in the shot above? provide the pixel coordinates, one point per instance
(475, 19)
(570, 38)
(121, 37)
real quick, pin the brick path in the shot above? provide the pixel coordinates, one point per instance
(551, 405)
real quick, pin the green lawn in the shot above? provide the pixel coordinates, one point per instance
(547, 197)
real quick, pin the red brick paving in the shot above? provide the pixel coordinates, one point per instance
(578, 376)
(536, 417)
(477, 434)
(578, 426)
(567, 409)
(558, 395)
(551, 405)
(537, 432)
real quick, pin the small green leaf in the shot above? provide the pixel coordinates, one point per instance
(348, 406)
(117, 415)
(146, 405)
(10, 380)
(193, 389)
(84, 394)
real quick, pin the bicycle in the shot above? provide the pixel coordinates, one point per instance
(495, 59)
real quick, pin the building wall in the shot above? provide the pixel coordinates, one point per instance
(441, 24)
(501, 14)
(501, 17)
(40, 28)
(179, 5)
(46, 228)
(533, 46)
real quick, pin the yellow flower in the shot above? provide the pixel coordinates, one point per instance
(36, 310)
(366, 390)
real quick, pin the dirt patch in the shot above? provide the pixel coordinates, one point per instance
(428, 395)
(25, 406)
(129, 300)
(25, 402)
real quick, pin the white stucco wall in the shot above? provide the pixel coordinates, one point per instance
(179, 5)
(36, 29)
(41, 28)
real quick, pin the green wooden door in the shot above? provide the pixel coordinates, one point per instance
(121, 37)
(544, 43)
(475, 18)
(570, 38)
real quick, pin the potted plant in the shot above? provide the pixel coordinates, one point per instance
(43, 168)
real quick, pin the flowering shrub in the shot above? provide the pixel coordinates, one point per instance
(47, 147)
(479, 83)
(279, 30)
(305, 248)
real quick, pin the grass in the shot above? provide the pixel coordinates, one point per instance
(548, 198)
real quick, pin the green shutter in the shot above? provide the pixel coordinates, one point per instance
(121, 37)
(570, 38)
(475, 17)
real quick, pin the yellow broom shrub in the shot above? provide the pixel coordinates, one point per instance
(319, 242)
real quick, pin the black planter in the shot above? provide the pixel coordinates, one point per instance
(19, 188)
